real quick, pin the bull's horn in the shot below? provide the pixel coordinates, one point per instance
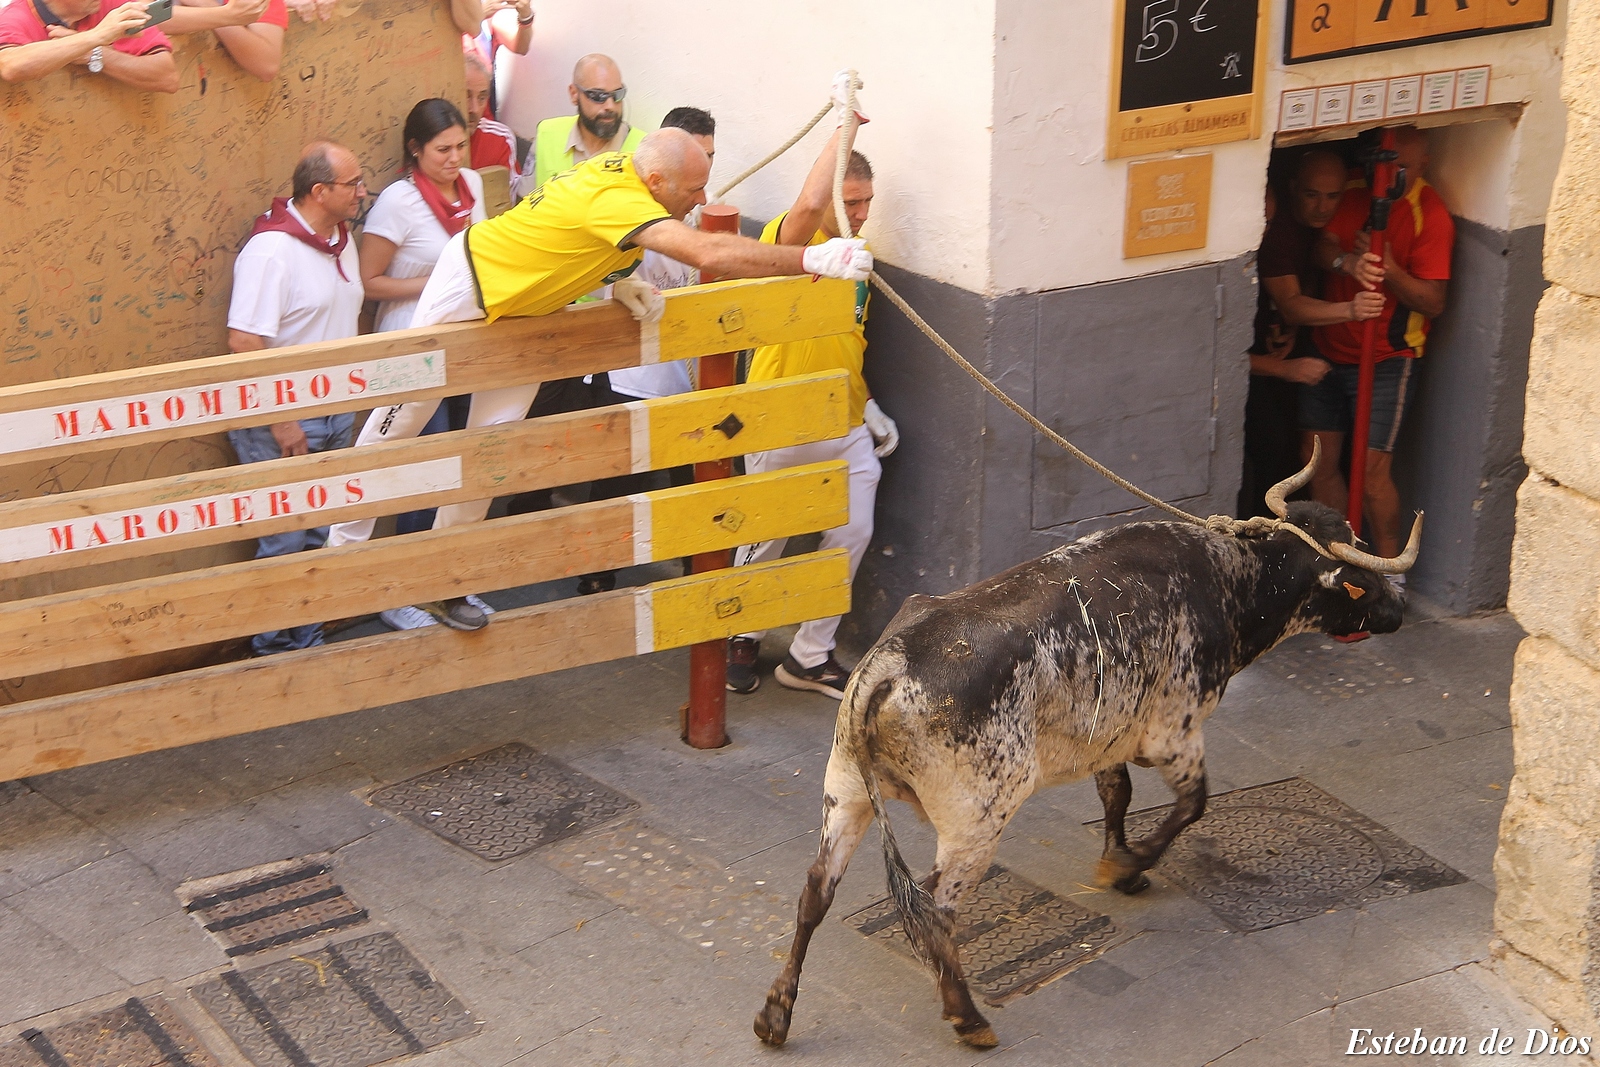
(1398, 565)
(1275, 495)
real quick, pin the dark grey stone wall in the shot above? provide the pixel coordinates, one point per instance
(1147, 375)
(1459, 457)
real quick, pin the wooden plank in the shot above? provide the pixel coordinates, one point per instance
(211, 507)
(174, 611)
(71, 416)
(234, 698)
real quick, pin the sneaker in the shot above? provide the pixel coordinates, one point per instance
(742, 653)
(414, 618)
(827, 677)
(457, 613)
(406, 618)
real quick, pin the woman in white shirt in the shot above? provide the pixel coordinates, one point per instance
(405, 232)
(414, 217)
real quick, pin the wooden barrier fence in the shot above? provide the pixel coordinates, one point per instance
(156, 518)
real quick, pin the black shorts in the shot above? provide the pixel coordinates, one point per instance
(1330, 405)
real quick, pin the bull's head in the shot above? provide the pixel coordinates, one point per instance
(1355, 596)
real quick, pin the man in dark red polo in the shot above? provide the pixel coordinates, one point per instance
(39, 37)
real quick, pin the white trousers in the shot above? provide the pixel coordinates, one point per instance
(449, 296)
(814, 642)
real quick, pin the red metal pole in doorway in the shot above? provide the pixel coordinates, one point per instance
(706, 725)
(1386, 182)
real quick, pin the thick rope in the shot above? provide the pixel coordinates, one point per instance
(790, 143)
(1227, 524)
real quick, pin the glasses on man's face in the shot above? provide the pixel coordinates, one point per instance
(358, 182)
(600, 96)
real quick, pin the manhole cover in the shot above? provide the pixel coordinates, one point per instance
(348, 1005)
(139, 1033)
(1015, 936)
(272, 905)
(1277, 853)
(504, 802)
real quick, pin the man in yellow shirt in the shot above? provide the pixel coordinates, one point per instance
(810, 662)
(586, 228)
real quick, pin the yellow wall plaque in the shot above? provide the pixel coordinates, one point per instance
(1186, 73)
(1169, 204)
(1320, 29)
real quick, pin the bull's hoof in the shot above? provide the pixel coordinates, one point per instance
(1120, 869)
(1133, 884)
(772, 1023)
(977, 1033)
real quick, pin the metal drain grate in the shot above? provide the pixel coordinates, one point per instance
(505, 802)
(1015, 936)
(138, 1033)
(272, 905)
(1277, 853)
(349, 1005)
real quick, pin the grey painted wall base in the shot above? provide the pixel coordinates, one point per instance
(1459, 457)
(1149, 376)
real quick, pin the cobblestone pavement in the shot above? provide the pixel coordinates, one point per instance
(650, 935)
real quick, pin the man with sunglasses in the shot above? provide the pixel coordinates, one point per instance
(298, 281)
(597, 92)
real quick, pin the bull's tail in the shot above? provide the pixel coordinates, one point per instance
(928, 927)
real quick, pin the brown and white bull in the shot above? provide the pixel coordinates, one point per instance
(1110, 650)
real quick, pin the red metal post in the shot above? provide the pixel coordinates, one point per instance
(1382, 176)
(706, 725)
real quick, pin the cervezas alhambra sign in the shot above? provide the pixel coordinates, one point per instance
(1321, 29)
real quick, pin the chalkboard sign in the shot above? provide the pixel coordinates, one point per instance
(1179, 51)
(1186, 73)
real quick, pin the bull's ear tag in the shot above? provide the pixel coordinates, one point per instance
(1355, 591)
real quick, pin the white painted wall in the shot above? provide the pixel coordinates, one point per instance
(1058, 202)
(990, 121)
(763, 69)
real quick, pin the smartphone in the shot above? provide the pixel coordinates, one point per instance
(158, 11)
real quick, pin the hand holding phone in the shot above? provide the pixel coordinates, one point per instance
(156, 11)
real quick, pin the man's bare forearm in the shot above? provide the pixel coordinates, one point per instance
(154, 72)
(722, 255)
(25, 62)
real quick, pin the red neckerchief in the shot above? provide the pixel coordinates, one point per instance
(454, 218)
(279, 220)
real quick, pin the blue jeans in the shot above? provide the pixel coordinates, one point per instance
(254, 444)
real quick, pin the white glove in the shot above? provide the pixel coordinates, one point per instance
(840, 95)
(838, 257)
(885, 434)
(643, 300)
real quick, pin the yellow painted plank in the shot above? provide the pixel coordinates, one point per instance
(92, 526)
(79, 627)
(706, 319)
(689, 520)
(71, 730)
(70, 416)
(687, 611)
(809, 407)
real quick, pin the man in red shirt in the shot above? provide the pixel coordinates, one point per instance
(492, 144)
(39, 37)
(1414, 277)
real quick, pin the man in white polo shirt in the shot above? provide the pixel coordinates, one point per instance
(298, 281)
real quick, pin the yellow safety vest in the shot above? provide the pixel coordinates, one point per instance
(550, 147)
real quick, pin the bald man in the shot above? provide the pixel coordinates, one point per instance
(1290, 300)
(597, 92)
(585, 228)
(1413, 278)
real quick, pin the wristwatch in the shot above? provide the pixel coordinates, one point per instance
(525, 21)
(97, 59)
(1338, 261)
